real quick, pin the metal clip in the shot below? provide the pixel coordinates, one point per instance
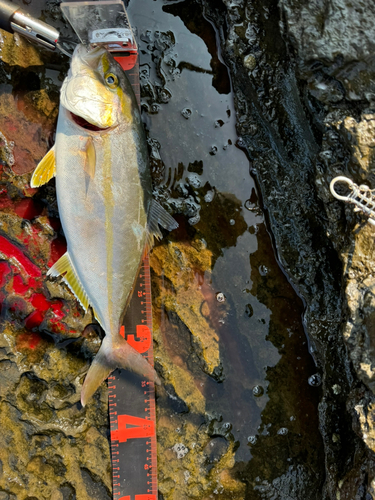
(361, 196)
(15, 20)
(35, 30)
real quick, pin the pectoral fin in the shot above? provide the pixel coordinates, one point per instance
(45, 170)
(90, 160)
(111, 356)
(157, 215)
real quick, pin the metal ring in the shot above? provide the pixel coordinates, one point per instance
(340, 178)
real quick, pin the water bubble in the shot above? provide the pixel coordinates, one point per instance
(180, 449)
(251, 34)
(209, 196)
(249, 311)
(263, 270)
(165, 95)
(220, 297)
(194, 180)
(258, 391)
(194, 220)
(154, 108)
(283, 431)
(186, 113)
(252, 439)
(232, 222)
(252, 207)
(315, 380)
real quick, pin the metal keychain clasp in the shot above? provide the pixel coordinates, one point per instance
(361, 196)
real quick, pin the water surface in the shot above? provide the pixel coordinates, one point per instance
(188, 106)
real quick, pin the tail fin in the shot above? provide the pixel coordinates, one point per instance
(111, 356)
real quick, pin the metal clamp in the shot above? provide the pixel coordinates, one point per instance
(37, 31)
(361, 196)
(14, 20)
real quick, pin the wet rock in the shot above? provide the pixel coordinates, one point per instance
(300, 123)
(309, 109)
(16, 51)
(191, 460)
(365, 410)
(26, 129)
(50, 446)
(192, 457)
(353, 238)
(183, 264)
(335, 46)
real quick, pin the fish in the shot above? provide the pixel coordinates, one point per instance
(104, 197)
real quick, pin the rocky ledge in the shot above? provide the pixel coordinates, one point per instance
(303, 76)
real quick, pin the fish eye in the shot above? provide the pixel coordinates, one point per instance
(111, 80)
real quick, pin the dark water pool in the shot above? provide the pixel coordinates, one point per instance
(265, 398)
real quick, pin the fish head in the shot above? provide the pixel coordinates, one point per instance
(96, 90)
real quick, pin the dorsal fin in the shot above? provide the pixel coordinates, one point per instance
(157, 215)
(45, 170)
(64, 267)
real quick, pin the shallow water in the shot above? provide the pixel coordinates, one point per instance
(265, 398)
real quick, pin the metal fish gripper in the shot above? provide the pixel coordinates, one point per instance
(361, 196)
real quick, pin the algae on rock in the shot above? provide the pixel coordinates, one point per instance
(15, 50)
(193, 461)
(187, 266)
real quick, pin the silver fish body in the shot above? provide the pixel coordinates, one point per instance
(104, 214)
(103, 187)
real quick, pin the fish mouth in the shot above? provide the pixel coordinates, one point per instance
(85, 124)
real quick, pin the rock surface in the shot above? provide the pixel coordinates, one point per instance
(303, 75)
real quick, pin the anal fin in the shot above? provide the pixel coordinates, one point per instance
(64, 267)
(45, 170)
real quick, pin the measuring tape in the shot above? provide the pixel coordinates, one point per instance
(132, 405)
(131, 399)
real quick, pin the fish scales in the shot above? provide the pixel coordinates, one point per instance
(103, 188)
(111, 213)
